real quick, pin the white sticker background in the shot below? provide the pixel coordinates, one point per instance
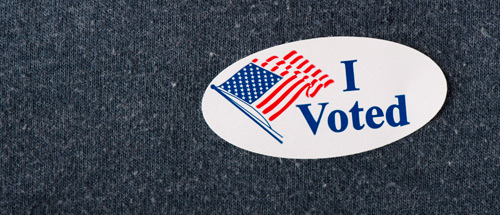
(383, 70)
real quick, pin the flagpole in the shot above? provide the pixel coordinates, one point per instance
(267, 128)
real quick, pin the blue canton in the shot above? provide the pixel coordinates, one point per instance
(250, 83)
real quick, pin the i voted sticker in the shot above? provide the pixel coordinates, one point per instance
(324, 97)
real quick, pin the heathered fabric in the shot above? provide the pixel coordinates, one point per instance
(100, 109)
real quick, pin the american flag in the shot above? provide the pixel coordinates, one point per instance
(265, 89)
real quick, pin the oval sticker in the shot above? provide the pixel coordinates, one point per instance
(324, 97)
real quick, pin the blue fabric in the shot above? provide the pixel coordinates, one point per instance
(100, 110)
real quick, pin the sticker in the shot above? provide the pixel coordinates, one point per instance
(324, 97)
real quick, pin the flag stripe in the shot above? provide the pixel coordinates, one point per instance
(313, 82)
(316, 73)
(310, 87)
(273, 105)
(290, 55)
(309, 69)
(323, 77)
(316, 90)
(296, 59)
(290, 102)
(328, 82)
(271, 58)
(268, 98)
(302, 64)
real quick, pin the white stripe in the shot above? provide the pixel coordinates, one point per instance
(283, 91)
(286, 100)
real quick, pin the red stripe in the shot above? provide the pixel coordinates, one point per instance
(275, 68)
(302, 64)
(287, 104)
(255, 60)
(281, 62)
(309, 69)
(288, 67)
(328, 82)
(316, 90)
(271, 58)
(310, 87)
(264, 64)
(323, 77)
(284, 73)
(290, 54)
(296, 59)
(316, 73)
(277, 102)
(275, 92)
(313, 82)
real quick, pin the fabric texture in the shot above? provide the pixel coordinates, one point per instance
(100, 108)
